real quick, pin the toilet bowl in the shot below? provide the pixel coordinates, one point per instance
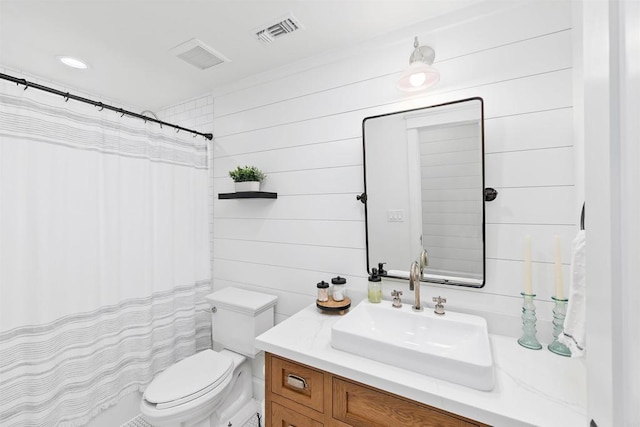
(209, 388)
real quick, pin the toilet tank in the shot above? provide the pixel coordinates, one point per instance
(238, 316)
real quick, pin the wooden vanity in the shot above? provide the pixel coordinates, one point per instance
(310, 383)
(297, 395)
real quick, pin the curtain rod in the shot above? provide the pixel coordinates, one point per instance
(67, 96)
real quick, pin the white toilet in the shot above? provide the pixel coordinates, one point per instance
(210, 388)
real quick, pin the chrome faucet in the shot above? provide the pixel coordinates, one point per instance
(414, 284)
(415, 274)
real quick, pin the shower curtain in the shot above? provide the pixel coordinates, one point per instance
(104, 256)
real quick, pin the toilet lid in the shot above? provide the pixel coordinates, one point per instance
(189, 377)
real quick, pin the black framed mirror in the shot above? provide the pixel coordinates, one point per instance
(424, 189)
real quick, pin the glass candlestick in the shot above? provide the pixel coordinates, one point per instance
(528, 338)
(559, 313)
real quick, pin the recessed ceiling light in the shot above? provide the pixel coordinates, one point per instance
(73, 62)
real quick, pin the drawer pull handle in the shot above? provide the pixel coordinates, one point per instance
(296, 382)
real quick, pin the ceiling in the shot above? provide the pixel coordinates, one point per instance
(127, 43)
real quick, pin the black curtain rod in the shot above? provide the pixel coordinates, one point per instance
(67, 96)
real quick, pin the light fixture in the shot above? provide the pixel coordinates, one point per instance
(73, 62)
(420, 75)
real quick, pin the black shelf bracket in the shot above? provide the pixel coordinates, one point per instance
(490, 194)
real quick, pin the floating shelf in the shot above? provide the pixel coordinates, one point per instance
(248, 195)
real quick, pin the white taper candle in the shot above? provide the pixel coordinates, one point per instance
(527, 265)
(558, 267)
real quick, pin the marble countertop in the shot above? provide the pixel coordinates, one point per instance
(532, 388)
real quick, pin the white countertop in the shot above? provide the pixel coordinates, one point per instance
(532, 388)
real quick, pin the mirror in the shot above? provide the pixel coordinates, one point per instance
(424, 188)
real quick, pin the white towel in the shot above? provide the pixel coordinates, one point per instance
(573, 334)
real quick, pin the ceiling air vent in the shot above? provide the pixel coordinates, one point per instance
(281, 27)
(198, 54)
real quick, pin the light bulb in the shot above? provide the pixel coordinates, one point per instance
(417, 79)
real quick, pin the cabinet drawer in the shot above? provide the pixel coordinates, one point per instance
(361, 406)
(285, 417)
(297, 382)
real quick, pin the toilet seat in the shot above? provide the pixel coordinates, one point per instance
(189, 379)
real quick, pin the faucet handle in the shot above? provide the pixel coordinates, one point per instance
(397, 302)
(439, 308)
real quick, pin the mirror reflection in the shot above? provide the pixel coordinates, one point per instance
(424, 186)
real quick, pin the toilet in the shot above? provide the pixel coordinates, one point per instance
(214, 388)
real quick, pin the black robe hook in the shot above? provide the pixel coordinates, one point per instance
(66, 97)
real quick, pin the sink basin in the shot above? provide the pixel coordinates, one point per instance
(453, 347)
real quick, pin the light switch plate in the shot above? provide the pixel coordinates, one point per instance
(395, 215)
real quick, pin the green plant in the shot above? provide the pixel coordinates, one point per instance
(247, 173)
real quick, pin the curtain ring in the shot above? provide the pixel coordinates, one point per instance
(101, 106)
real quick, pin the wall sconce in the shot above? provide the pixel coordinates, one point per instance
(420, 75)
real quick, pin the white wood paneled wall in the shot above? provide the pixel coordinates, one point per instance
(303, 128)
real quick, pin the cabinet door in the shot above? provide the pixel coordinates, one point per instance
(361, 406)
(285, 417)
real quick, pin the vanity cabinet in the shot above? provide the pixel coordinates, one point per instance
(301, 396)
(285, 417)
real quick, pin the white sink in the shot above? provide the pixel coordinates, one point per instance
(453, 347)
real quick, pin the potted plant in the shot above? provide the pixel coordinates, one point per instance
(247, 178)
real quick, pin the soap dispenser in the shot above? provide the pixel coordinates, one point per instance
(374, 293)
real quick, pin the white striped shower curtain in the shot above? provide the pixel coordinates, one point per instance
(104, 256)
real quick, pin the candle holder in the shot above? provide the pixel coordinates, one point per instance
(559, 313)
(528, 339)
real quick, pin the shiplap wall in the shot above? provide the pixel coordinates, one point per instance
(303, 128)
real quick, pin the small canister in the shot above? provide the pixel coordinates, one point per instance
(338, 288)
(323, 291)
